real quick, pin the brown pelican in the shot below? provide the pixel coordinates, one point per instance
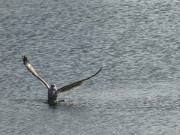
(52, 90)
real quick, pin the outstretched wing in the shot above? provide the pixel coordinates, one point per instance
(76, 84)
(32, 70)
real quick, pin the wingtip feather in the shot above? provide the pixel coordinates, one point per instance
(25, 60)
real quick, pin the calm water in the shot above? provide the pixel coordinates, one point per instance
(136, 42)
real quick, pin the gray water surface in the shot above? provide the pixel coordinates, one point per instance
(136, 42)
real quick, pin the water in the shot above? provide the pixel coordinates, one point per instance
(137, 44)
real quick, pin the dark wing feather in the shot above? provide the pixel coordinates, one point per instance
(32, 70)
(76, 84)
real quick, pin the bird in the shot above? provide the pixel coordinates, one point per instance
(52, 90)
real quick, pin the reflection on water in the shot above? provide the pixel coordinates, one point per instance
(136, 43)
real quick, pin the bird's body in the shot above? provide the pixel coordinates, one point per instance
(52, 90)
(52, 94)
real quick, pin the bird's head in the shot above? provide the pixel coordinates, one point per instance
(53, 86)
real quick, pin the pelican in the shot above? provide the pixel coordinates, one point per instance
(52, 90)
